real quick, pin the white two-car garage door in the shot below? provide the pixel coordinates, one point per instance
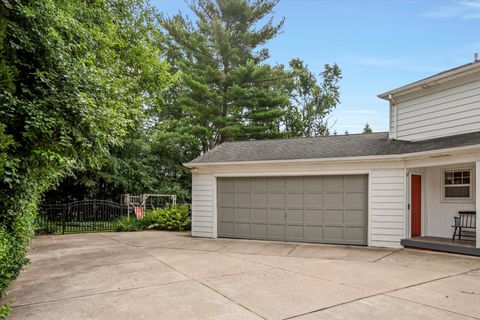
(322, 209)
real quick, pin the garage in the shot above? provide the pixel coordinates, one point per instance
(321, 209)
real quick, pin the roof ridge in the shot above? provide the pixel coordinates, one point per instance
(306, 138)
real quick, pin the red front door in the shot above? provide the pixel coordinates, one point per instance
(416, 205)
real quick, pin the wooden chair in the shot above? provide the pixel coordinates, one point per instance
(465, 220)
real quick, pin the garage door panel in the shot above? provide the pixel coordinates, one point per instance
(294, 216)
(294, 233)
(313, 233)
(242, 185)
(276, 200)
(259, 200)
(276, 231)
(242, 215)
(259, 215)
(294, 184)
(226, 199)
(313, 216)
(228, 214)
(355, 217)
(333, 234)
(226, 185)
(333, 183)
(355, 235)
(226, 229)
(242, 230)
(313, 184)
(333, 217)
(327, 209)
(294, 200)
(259, 185)
(276, 216)
(313, 200)
(333, 200)
(355, 183)
(242, 200)
(276, 184)
(355, 200)
(259, 231)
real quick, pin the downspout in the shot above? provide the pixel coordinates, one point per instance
(393, 104)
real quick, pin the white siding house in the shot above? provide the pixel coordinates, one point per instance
(371, 189)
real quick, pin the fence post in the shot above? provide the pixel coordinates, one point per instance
(94, 214)
(64, 212)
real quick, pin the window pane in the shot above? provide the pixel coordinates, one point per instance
(448, 177)
(457, 177)
(457, 192)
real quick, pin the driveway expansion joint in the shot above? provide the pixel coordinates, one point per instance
(205, 285)
(430, 306)
(387, 255)
(289, 252)
(386, 293)
(98, 293)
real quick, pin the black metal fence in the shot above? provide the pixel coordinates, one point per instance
(80, 216)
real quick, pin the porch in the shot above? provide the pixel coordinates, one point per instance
(442, 244)
(437, 196)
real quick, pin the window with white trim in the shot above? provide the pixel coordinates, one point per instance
(457, 184)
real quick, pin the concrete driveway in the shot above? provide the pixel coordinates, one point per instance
(162, 275)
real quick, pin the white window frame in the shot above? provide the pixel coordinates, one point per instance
(471, 186)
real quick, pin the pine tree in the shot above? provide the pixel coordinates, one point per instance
(227, 88)
(367, 128)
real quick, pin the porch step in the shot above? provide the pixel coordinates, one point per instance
(440, 245)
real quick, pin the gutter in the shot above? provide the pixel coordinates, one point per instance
(393, 157)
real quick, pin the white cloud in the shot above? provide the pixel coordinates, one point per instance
(466, 10)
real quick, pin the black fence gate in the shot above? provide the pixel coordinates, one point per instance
(80, 216)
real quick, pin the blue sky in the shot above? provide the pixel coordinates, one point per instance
(379, 45)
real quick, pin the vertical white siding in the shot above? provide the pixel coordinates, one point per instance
(202, 205)
(447, 110)
(387, 200)
(440, 213)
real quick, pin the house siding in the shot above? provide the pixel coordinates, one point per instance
(202, 205)
(440, 212)
(449, 109)
(387, 212)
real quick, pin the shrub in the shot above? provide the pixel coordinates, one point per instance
(175, 218)
(128, 224)
(43, 227)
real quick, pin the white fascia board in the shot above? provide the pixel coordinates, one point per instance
(434, 80)
(396, 157)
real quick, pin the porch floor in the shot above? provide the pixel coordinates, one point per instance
(442, 244)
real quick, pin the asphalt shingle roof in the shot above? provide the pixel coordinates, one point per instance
(354, 145)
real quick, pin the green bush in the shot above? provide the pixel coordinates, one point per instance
(128, 224)
(43, 227)
(175, 218)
